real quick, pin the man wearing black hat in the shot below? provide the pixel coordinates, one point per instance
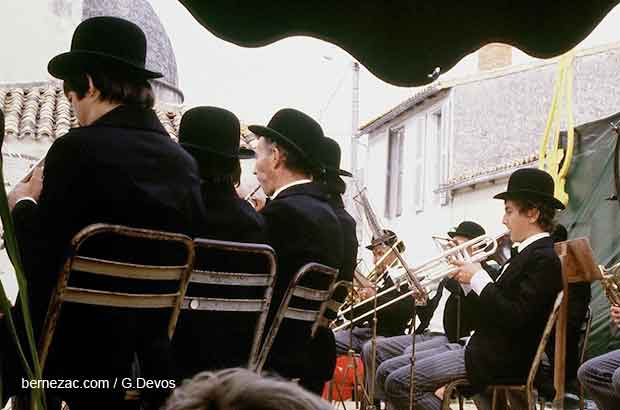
(335, 187)
(121, 167)
(206, 340)
(302, 228)
(392, 320)
(511, 311)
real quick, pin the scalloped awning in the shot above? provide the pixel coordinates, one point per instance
(402, 41)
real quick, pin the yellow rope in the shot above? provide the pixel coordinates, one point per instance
(550, 157)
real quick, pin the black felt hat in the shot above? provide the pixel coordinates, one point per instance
(329, 155)
(213, 130)
(531, 183)
(389, 238)
(109, 42)
(467, 229)
(295, 130)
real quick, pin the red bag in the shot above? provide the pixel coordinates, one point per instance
(343, 381)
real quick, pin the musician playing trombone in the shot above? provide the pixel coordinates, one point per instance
(511, 312)
(440, 327)
(392, 320)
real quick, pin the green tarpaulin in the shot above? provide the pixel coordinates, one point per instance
(589, 213)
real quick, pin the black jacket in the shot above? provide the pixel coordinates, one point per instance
(211, 340)
(511, 315)
(302, 228)
(122, 169)
(350, 244)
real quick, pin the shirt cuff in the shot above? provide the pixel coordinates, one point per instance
(26, 198)
(480, 280)
(466, 288)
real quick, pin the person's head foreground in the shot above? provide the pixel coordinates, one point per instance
(241, 389)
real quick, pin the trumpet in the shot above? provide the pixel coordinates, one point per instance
(430, 273)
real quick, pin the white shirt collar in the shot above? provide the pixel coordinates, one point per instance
(282, 188)
(531, 240)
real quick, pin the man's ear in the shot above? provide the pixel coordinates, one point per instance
(92, 90)
(533, 215)
(278, 156)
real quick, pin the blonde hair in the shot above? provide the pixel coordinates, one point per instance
(241, 389)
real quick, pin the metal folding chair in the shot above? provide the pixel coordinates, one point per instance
(527, 388)
(316, 316)
(259, 305)
(65, 293)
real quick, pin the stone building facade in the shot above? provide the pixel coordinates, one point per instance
(459, 141)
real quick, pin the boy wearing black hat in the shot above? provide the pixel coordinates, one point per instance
(120, 166)
(302, 228)
(206, 340)
(511, 311)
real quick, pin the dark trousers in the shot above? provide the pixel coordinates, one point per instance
(601, 378)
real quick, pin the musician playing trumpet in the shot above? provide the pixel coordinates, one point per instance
(511, 311)
(442, 323)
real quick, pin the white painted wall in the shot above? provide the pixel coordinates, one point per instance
(417, 228)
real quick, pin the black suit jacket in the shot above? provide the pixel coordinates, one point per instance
(302, 228)
(511, 315)
(211, 340)
(122, 169)
(350, 244)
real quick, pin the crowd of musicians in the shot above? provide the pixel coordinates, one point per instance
(120, 166)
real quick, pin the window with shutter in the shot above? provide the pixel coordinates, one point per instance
(394, 180)
(418, 163)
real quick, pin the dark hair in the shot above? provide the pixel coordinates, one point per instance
(547, 212)
(217, 169)
(114, 86)
(292, 159)
(334, 185)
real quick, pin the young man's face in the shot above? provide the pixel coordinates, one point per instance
(378, 252)
(265, 166)
(81, 107)
(520, 223)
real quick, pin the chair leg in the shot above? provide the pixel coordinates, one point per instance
(494, 399)
(461, 400)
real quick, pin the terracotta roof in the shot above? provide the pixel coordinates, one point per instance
(41, 111)
(37, 113)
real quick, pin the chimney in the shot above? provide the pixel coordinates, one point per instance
(494, 55)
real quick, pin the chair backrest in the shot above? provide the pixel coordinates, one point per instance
(259, 304)
(316, 316)
(65, 293)
(553, 317)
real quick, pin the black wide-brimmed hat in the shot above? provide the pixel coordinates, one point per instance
(389, 238)
(295, 130)
(531, 183)
(213, 130)
(329, 155)
(467, 229)
(109, 42)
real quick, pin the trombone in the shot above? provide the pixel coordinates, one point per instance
(430, 273)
